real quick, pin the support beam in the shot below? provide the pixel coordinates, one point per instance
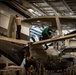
(58, 25)
(11, 33)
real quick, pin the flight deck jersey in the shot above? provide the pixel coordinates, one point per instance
(47, 30)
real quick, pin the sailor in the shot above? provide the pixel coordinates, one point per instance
(18, 23)
(47, 33)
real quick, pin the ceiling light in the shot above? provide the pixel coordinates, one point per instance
(68, 27)
(71, 53)
(51, 13)
(73, 38)
(71, 13)
(1, 11)
(38, 21)
(30, 10)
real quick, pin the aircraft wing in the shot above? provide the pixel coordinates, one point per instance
(12, 49)
(13, 40)
(42, 18)
(67, 19)
(50, 18)
(38, 42)
(55, 39)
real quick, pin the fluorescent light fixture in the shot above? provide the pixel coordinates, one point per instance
(71, 13)
(30, 10)
(73, 38)
(37, 13)
(68, 27)
(2, 11)
(38, 21)
(72, 53)
(51, 13)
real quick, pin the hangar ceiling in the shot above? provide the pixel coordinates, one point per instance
(45, 7)
(34, 8)
(50, 7)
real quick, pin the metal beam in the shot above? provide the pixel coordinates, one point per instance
(71, 1)
(16, 9)
(22, 7)
(40, 9)
(71, 4)
(52, 6)
(35, 8)
(58, 25)
(67, 6)
(35, 1)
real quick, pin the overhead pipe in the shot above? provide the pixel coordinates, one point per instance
(16, 8)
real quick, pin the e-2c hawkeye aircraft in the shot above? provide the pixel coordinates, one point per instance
(15, 49)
